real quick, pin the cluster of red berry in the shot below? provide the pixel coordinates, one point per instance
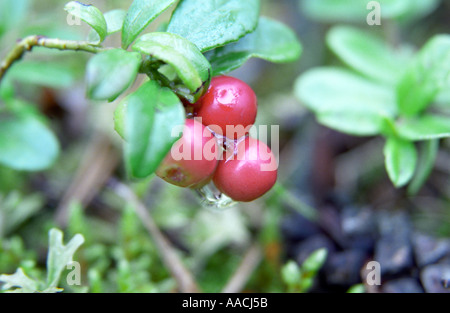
(216, 145)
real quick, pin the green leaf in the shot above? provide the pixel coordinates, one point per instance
(425, 127)
(210, 24)
(140, 14)
(114, 22)
(20, 281)
(330, 11)
(442, 100)
(119, 118)
(51, 75)
(315, 261)
(291, 273)
(417, 9)
(188, 62)
(111, 72)
(271, 41)
(428, 75)
(26, 143)
(400, 160)
(353, 122)
(427, 157)
(60, 255)
(152, 113)
(90, 15)
(358, 288)
(388, 127)
(366, 53)
(345, 101)
(335, 10)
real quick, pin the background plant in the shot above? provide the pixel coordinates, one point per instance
(387, 89)
(173, 60)
(87, 190)
(148, 75)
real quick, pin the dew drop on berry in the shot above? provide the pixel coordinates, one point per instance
(212, 198)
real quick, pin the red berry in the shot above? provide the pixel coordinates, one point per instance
(192, 159)
(228, 102)
(248, 174)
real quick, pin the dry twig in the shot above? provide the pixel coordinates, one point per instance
(248, 265)
(184, 278)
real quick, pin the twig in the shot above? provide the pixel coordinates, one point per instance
(248, 265)
(184, 278)
(29, 42)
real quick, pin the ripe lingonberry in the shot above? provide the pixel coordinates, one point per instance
(248, 172)
(192, 159)
(228, 102)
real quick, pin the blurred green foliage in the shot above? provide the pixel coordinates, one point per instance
(301, 278)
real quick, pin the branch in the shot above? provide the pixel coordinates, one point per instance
(29, 42)
(184, 278)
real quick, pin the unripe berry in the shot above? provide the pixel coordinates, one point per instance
(192, 159)
(228, 102)
(247, 174)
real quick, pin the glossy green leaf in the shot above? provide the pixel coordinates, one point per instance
(356, 10)
(114, 22)
(366, 53)
(111, 72)
(427, 157)
(139, 15)
(210, 24)
(425, 127)
(426, 77)
(90, 15)
(400, 160)
(48, 74)
(152, 113)
(187, 61)
(345, 101)
(26, 143)
(271, 41)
